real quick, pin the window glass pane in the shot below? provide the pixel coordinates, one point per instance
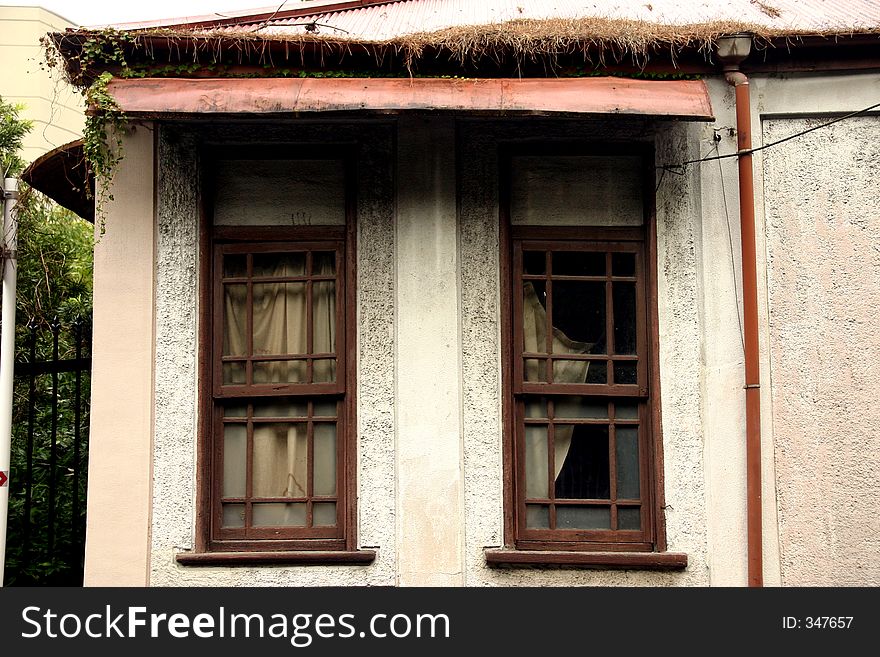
(324, 317)
(235, 410)
(629, 518)
(279, 264)
(537, 516)
(582, 462)
(598, 372)
(324, 370)
(534, 262)
(536, 462)
(573, 371)
(235, 320)
(583, 517)
(280, 371)
(578, 263)
(324, 409)
(234, 373)
(579, 407)
(534, 317)
(280, 460)
(235, 265)
(233, 515)
(234, 460)
(623, 264)
(536, 407)
(323, 263)
(627, 439)
(279, 515)
(535, 370)
(280, 408)
(279, 318)
(324, 514)
(578, 317)
(624, 318)
(625, 373)
(626, 410)
(324, 437)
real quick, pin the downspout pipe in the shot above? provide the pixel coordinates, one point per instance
(731, 51)
(7, 352)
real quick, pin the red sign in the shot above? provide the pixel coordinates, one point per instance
(3, 478)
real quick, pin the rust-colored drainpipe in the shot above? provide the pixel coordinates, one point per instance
(740, 83)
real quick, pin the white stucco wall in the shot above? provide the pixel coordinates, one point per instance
(820, 175)
(428, 284)
(823, 258)
(430, 527)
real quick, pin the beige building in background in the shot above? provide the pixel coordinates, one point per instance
(54, 107)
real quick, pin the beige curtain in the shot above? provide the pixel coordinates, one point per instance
(280, 459)
(566, 371)
(235, 315)
(280, 456)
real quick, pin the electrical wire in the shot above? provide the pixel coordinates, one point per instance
(677, 168)
(732, 256)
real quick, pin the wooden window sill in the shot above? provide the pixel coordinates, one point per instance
(300, 558)
(622, 560)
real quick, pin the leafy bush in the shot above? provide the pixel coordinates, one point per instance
(54, 296)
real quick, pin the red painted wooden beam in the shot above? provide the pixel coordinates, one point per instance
(687, 99)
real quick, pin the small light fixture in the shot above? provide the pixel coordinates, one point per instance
(733, 48)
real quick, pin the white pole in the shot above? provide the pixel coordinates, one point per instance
(7, 354)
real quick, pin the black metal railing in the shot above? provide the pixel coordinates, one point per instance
(46, 528)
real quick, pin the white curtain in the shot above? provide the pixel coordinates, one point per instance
(280, 456)
(565, 371)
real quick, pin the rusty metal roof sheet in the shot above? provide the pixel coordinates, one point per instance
(62, 175)
(374, 20)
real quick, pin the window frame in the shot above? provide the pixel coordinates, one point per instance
(213, 240)
(652, 534)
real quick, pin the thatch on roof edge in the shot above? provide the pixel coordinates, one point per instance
(598, 40)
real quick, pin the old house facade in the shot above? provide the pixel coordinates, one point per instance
(416, 293)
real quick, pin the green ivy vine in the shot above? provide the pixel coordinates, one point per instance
(106, 124)
(105, 127)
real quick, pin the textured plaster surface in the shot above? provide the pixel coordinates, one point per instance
(680, 328)
(257, 192)
(823, 255)
(576, 190)
(117, 529)
(174, 461)
(430, 522)
(722, 357)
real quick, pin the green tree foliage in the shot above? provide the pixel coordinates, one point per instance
(12, 130)
(54, 296)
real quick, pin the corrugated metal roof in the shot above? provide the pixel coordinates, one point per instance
(396, 18)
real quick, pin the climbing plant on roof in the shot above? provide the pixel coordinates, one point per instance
(106, 124)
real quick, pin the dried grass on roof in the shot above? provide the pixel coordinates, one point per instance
(614, 39)
(599, 40)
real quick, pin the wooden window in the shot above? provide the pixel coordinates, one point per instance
(277, 459)
(580, 381)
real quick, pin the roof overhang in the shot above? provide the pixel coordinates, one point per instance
(62, 175)
(158, 97)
